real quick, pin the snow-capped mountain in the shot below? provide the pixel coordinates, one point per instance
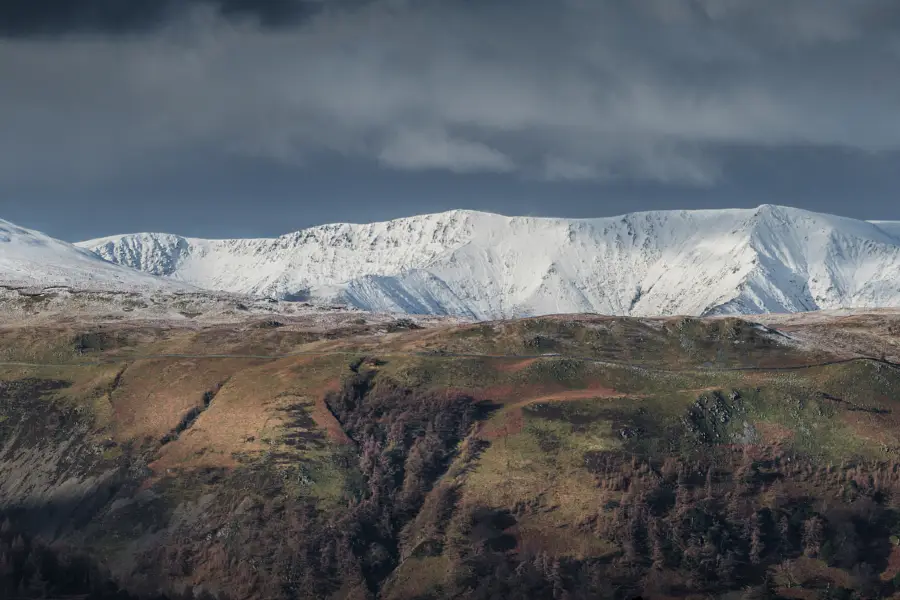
(769, 259)
(30, 258)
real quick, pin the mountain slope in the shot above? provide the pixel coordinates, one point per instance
(30, 258)
(450, 458)
(769, 259)
(889, 227)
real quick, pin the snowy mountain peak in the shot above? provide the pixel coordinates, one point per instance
(154, 253)
(30, 258)
(771, 258)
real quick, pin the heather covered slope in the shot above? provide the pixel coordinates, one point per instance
(577, 457)
(480, 265)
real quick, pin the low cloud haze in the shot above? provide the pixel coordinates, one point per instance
(571, 92)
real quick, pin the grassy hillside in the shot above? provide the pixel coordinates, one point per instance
(573, 457)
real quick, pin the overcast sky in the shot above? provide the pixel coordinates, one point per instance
(259, 117)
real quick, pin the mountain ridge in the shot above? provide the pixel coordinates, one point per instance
(483, 265)
(890, 227)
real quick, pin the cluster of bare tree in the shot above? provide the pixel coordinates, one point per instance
(725, 522)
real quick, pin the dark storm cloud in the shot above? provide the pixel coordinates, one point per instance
(571, 90)
(59, 17)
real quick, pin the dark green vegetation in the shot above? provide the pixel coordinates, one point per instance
(421, 465)
(30, 568)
